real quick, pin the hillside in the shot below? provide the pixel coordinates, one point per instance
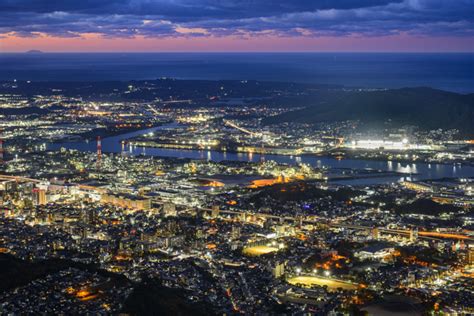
(425, 107)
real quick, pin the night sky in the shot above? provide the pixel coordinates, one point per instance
(247, 25)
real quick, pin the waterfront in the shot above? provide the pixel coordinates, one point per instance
(411, 171)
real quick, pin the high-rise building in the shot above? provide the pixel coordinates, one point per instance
(169, 209)
(279, 270)
(235, 234)
(89, 216)
(411, 279)
(215, 211)
(470, 256)
(414, 234)
(39, 196)
(375, 233)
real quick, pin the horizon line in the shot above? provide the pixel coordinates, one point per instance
(38, 51)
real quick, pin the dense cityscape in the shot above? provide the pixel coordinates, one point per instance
(185, 197)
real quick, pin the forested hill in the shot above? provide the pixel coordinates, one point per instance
(424, 107)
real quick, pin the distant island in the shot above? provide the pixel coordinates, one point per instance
(34, 51)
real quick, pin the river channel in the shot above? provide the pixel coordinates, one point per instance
(412, 171)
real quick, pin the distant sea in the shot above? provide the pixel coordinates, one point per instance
(451, 71)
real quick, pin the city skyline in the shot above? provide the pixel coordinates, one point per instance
(202, 197)
(227, 157)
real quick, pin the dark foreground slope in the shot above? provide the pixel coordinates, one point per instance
(147, 298)
(424, 107)
(150, 298)
(15, 272)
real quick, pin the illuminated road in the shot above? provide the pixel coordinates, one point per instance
(17, 178)
(246, 131)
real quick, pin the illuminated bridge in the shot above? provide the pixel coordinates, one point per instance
(244, 130)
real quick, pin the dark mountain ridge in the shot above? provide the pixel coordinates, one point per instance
(424, 107)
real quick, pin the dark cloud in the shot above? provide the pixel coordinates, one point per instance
(158, 18)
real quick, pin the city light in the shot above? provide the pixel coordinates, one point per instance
(265, 187)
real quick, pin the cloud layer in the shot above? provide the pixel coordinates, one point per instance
(245, 18)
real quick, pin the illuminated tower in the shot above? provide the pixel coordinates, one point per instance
(1, 150)
(99, 149)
